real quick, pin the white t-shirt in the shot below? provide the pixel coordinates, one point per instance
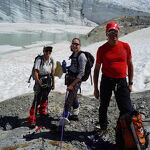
(45, 67)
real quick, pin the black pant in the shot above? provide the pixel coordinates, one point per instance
(40, 94)
(122, 95)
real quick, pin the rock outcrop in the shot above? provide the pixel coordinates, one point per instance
(127, 25)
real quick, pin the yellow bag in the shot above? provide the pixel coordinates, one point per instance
(58, 70)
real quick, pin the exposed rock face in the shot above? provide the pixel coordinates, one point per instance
(127, 24)
(77, 136)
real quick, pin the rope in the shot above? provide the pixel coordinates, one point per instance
(43, 147)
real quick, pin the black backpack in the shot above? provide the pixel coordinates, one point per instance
(32, 72)
(89, 64)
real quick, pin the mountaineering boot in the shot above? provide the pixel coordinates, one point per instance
(43, 108)
(76, 106)
(102, 132)
(75, 111)
(32, 118)
(64, 121)
(73, 117)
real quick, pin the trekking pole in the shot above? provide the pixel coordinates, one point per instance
(62, 128)
(91, 79)
(29, 79)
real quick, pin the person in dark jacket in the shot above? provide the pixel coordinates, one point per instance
(73, 81)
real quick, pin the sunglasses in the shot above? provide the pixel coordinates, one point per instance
(112, 32)
(76, 44)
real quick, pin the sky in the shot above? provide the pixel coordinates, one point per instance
(15, 68)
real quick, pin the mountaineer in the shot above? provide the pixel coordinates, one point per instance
(43, 71)
(114, 59)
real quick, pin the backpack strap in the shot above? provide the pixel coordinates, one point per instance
(42, 60)
(41, 57)
(51, 60)
(78, 58)
(41, 63)
(72, 56)
(77, 55)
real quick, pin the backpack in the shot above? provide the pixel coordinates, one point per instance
(32, 72)
(130, 132)
(89, 64)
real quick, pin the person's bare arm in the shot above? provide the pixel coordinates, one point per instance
(36, 76)
(71, 86)
(130, 73)
(95, 78)
(53, 79)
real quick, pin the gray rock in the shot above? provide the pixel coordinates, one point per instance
(14, 127)
(127, 25)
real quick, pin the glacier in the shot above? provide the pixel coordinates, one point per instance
(73, 12)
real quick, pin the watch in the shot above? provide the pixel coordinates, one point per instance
(130, 83)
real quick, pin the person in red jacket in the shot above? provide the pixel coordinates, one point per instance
(115, 61)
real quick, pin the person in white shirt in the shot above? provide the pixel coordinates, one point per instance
(44, 83)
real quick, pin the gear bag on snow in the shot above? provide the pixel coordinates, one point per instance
(89, 64)
(32, 72)
(130, 132)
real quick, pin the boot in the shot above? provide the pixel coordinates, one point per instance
(64, 121)
(32, 117)
(75, 111)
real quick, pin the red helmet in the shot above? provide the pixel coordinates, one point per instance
(112, 25)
